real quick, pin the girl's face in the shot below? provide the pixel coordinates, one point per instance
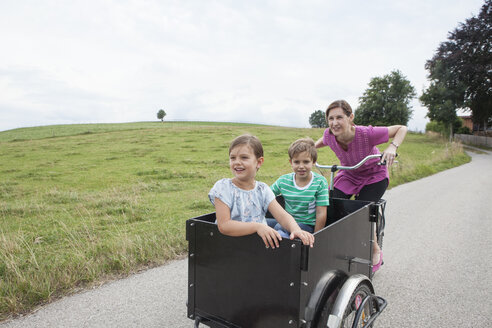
(338, 122)
(243, 162)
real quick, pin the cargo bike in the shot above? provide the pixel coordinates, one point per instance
(237, 282)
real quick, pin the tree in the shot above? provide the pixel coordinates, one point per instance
(442, 98)
(160, 114)
(386, 101)
(463, 65)
(317, 119)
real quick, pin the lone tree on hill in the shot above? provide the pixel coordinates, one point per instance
(386, 101)
(317, 119)
(160, 115)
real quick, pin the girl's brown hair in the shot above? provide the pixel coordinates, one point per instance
(339, 104)
(252, 141)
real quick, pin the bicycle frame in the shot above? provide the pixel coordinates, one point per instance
(380, 216)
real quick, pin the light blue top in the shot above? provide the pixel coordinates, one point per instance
(245, 205)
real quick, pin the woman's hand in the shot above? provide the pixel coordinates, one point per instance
(270, 236)
(397, 132)
(389, 155)
(306, 237)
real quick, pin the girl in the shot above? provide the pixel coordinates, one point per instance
(242, 202)
(351, 144)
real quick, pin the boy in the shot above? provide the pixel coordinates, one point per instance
(305, 192)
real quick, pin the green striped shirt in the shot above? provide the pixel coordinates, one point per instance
(301, 202)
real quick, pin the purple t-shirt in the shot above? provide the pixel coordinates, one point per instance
(364, 144)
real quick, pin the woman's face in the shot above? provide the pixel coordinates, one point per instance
(338, 122)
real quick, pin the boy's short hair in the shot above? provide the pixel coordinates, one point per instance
(302, 145)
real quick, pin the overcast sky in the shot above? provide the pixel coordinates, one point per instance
(272, 62)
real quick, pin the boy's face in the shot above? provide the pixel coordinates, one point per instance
(302, 164)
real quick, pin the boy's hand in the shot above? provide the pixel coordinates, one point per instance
(270, 236)
(306, 237)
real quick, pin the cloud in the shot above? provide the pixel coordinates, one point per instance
(269, 62)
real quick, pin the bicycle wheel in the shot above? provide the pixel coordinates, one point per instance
(360, 293)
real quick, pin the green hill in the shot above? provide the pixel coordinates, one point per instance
(80, 204)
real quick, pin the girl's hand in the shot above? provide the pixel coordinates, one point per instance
(306, 237)
(270, 236)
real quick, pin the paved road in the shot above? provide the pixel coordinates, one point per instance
(437, 272)
(438, 250)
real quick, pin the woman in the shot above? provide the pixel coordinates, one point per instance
(351, 144)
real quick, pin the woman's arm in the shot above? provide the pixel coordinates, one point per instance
(287, 221)
(398, 133)
(319, 143)
(236, 228)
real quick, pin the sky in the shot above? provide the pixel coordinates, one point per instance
(256, 61)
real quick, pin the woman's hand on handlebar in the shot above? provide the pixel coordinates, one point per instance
(388, 156)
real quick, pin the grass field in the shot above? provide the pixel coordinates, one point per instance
(81, 204)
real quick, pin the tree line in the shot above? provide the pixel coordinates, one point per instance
(460, 76)
(385, 102)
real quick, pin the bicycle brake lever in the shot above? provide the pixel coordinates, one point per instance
(384, 163)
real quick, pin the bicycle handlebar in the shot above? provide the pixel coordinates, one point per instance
(334, 168)
(356, 166)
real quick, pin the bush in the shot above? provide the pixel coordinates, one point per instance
(437, 127)
(464, 130)
(443, 129)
